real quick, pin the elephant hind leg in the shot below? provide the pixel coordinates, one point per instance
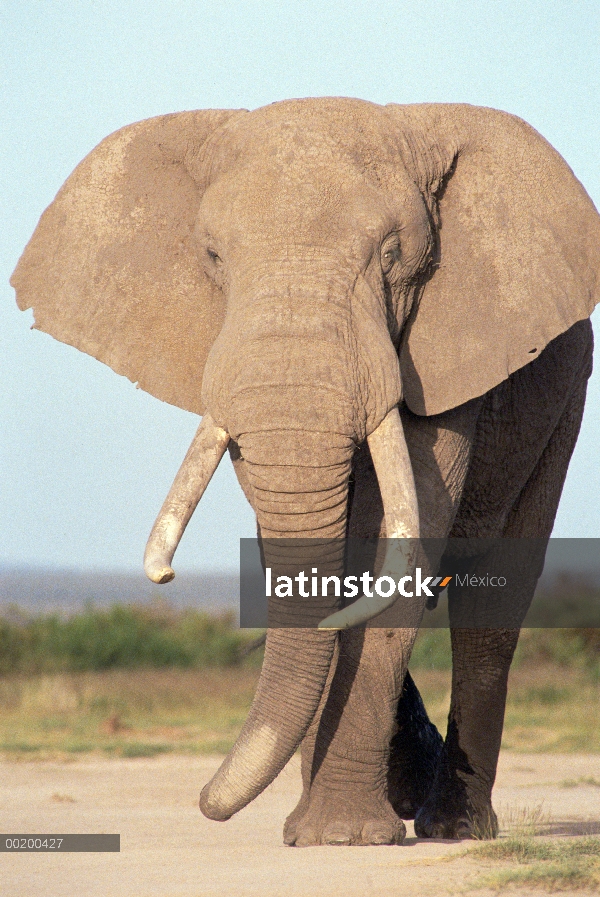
(415, 751)
(459, 804)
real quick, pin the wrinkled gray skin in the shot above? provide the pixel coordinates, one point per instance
(325, 224)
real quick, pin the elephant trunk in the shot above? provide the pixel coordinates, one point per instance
(292, 680)
(306, 499)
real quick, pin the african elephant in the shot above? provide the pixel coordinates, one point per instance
(376, 307)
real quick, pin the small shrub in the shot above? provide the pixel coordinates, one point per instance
(122, 636)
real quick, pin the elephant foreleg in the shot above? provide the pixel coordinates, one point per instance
(345, 760)
(459, 804)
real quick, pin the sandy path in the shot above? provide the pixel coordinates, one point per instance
(169, 849)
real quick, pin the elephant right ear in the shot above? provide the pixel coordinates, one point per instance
(518, 254)
(111, 268)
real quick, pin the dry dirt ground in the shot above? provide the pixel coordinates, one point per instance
(169, 849)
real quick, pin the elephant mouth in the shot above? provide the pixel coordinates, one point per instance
(396, 482)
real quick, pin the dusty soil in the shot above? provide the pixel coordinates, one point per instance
(169, 849)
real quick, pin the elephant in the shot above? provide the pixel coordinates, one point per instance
(382, 314)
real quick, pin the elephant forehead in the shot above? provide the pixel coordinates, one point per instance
(291, 184)
(322, 131)
(316, 217)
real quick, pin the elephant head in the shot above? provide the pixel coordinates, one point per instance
(293, 274)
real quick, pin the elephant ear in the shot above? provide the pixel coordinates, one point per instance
(518, 254)
(111, 268)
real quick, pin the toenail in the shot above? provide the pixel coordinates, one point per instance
(336, 840)
(380, 838)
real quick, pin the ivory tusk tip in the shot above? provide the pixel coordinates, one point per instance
(160, 575)
(334, 623)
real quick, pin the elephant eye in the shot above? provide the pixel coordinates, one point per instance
(390, 254)
(213, 255)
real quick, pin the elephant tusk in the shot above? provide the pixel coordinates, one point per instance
(201, 461)
(397, 485)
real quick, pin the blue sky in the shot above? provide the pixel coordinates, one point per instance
(86, 459)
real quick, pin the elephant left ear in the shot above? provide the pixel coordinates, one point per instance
(518, 254)
(112, 268)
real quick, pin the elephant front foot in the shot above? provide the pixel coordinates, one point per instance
(456, 808)
(343, 819)
(433, 822)
(415, 752)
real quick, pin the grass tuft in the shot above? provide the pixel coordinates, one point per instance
(562, 876)
(523, 822)
(573, 864)
(590, 781)
(536, 862)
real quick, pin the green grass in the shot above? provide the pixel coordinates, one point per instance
(544, 716)
(526, 858)
(201, 711)
(120, 637)
(574, 649)
(525, 849)
(156, 635)
(549, 865)
(144, 749)
(146, 680)
(124, 713)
